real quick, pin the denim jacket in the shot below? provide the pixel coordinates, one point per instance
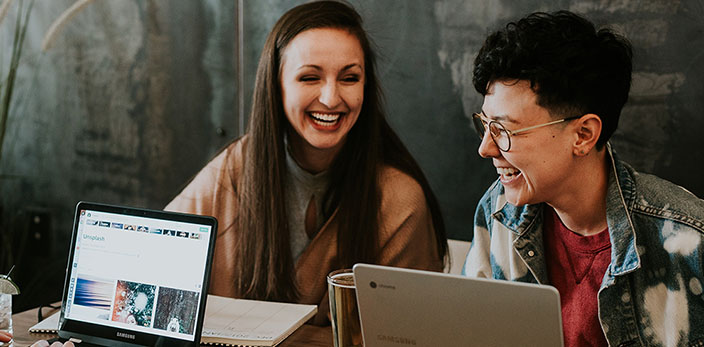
(651, 293)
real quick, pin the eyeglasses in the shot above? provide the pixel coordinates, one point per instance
(499, 133)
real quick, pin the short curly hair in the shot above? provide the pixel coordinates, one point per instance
(573, 68)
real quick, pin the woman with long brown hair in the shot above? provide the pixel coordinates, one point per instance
(320, 181)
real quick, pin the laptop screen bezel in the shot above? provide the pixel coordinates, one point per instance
(100, 334)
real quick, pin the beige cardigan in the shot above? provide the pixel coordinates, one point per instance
(406, 238)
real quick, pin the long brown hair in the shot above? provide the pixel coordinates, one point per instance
(264, 262)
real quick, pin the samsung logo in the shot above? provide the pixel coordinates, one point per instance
(396, 339)
(131, 336)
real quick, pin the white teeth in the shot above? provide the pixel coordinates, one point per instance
(507, 171)
(325, 117)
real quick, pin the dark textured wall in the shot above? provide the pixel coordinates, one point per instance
(130, 101)
(135, 96)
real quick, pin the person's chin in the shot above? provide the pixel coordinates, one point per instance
(325, 142)
(516, 198)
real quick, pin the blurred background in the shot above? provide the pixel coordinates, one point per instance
(133, 97)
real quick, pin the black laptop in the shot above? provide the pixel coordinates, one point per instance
(136, 277)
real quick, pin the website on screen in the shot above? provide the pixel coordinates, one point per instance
(138, 273)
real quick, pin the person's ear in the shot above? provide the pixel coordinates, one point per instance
(587, 129)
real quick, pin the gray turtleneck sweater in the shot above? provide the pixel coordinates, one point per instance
(301, 186)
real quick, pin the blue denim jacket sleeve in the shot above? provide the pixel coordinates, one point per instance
(652, 292)
(507, 241)
(477, 263)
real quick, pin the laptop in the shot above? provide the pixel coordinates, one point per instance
(136, 277)
(399, 307)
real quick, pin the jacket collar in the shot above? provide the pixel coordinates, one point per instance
(620, 196)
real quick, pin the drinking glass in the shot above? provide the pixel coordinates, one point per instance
(346, 330)
(6, 316)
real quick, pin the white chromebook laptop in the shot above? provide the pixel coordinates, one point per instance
(136, 277)
(402, 307)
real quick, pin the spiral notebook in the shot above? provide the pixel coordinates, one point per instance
(234, 322)
(239, 322)
(50, 325)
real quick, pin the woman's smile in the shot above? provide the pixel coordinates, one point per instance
(326, 121)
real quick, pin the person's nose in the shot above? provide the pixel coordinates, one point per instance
(330, 94)
(488, 148)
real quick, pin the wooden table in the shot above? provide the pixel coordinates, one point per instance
(307, 335)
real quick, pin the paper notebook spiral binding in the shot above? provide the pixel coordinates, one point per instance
(49, 325)
(224, 344)
(261, 343)
(279, 320)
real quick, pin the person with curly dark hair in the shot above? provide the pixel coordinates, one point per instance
(623, 248)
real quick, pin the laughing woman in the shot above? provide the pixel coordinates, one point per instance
(320, 181)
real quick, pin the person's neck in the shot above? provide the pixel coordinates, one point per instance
(311, 159)
(583, 208)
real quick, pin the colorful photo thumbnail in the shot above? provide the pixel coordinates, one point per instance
(134, 303)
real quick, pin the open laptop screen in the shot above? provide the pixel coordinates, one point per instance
(137, 276)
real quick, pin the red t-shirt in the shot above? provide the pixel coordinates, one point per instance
(576, 265)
